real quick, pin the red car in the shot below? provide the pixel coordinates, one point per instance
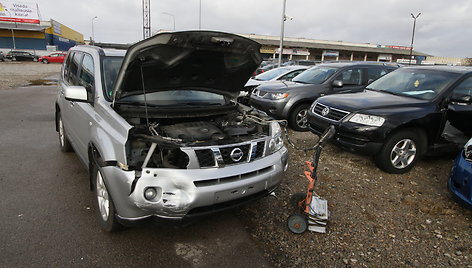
(54, 57)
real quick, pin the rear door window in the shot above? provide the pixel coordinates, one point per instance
(86, 76)
(67, 65)
(351, 77)
(74, 68)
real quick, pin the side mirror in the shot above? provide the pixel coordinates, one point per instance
(338, 83)
(461, 98)
(76, 93)
(370, 81)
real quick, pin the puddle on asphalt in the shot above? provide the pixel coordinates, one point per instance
(41, 82)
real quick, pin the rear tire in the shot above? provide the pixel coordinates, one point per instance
(298, 118)
(104, 206)
(401, 151)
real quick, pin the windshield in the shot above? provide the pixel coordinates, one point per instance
(315, 75)
(177, 98)
(269, 75)
(111, 66)
(416, 83)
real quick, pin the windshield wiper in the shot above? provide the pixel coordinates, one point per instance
(389, 92)
(134, 103)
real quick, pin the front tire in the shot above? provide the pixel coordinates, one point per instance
(104, 206)
(401, 151)
(298, 118)
(64, 142)
(45, 61)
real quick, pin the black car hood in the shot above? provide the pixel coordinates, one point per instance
(198, 60)
(367, 100)
(282, 86)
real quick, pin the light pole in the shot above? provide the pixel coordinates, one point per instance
(282, 33)
(413, 34)
(200, 16)
(173, 17)
(93, 33)
(12, 34)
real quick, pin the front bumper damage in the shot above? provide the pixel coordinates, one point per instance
(184, 193)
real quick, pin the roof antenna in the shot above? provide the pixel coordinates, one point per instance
(145, 98)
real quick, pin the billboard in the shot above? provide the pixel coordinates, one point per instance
(19, 12)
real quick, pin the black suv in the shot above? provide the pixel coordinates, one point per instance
(21, 56)
(401, 116)
(291, 99)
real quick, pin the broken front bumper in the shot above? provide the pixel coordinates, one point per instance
(188, 192)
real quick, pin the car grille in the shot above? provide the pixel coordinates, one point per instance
(220, 156)
(333, 113)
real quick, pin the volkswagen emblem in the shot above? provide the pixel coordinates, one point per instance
(325, 111)
(236, 154)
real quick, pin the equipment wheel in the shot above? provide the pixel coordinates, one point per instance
(297, 223)
(296, 198)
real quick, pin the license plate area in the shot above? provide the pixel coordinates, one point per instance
(240, 192)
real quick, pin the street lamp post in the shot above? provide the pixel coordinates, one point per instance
(93, 33)
(173, 17)
(413, 34)
(282, 33)
(12, 34)
(200, 16)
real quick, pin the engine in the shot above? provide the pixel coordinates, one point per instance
(170, 137)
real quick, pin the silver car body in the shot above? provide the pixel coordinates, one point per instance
(96, 130)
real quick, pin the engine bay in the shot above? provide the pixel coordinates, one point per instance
(158, 142)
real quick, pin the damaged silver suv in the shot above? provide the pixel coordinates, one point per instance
(159, 130)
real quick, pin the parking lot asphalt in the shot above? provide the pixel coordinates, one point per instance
(47, 218)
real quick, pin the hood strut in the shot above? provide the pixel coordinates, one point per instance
(145, 97)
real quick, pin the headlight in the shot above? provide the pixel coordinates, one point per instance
(468, 150)
(369, 120)
(276, 142)
(277, 96)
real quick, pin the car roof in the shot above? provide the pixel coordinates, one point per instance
(106, 51)
(451, 69)
(358, 63)
(295, 67)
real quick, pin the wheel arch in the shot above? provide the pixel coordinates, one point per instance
(417, 129)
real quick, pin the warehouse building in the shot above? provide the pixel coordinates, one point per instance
(323, 50)
(21, 27)
(46, 35)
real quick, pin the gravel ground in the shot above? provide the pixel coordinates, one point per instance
(13, 73)
(377, 219)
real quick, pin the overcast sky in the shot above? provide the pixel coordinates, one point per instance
(444, 28)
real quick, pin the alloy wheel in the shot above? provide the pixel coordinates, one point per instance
(301, 118)
(102, 197)
(403, 153)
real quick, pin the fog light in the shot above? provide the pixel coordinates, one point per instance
(150, 193)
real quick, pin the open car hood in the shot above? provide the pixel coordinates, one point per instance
(199, 60)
